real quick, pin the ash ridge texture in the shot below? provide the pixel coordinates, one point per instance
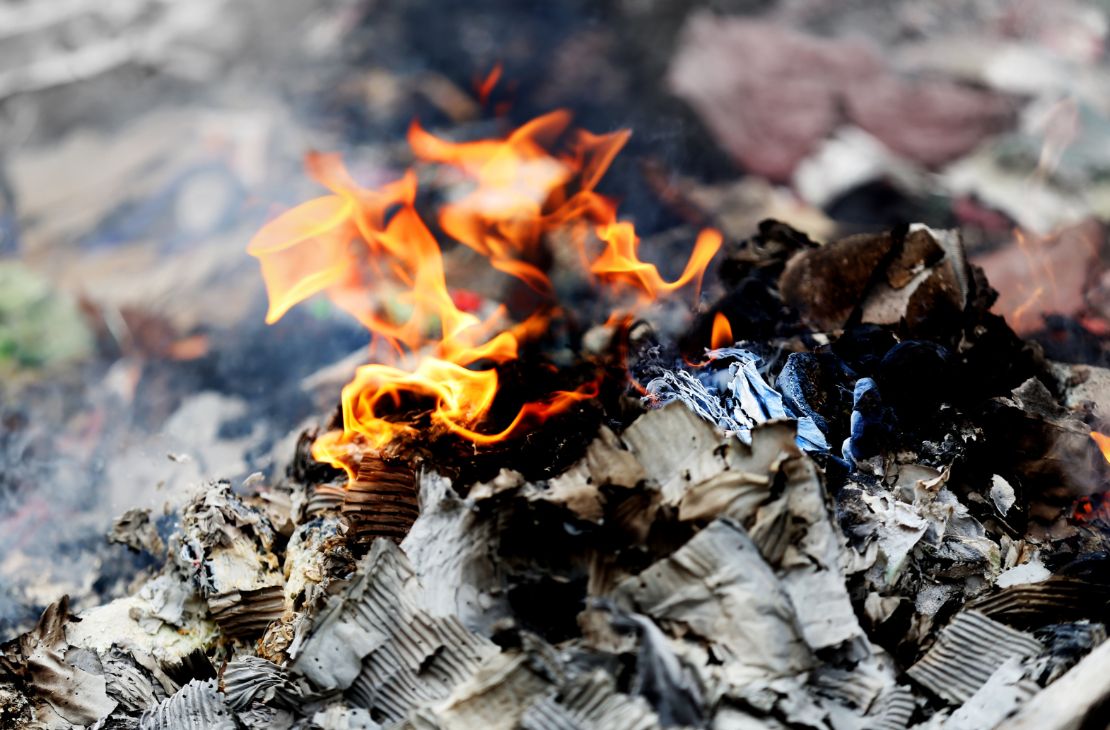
(875, 514)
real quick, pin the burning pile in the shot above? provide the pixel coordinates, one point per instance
(547, 504)
(373, 254)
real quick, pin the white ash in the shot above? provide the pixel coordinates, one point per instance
(746, 620)
(1002, 494)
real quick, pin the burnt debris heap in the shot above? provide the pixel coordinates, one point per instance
(876, 508)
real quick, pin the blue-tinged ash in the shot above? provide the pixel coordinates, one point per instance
(734, 399)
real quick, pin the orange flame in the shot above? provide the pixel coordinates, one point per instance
(722, 332)
(1040, 267)
(1103, 442)
(620, 262)
(522, 190)
(306, 250)
(485, 86)
(371, 252)
(1039, 275)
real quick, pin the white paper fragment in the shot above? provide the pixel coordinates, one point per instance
(676, 449)
(449, 548)
(340, 717)
(794, 530)
(377, 641)
(900, 528)
(719, 586)
(1002, 494)
(196, 706)
(1033, 571)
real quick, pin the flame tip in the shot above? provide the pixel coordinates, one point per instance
(722, 332)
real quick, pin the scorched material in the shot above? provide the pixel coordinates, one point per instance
(804, 532)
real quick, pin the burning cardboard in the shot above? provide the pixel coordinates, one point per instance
(834, 516)
(760, 545)
(381, 501)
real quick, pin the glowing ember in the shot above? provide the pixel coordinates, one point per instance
(722, 332)
(366, 248)
(1092, 508)
(1103, 442)
(484, 87)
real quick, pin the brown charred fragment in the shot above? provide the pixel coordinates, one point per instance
(912, 278)
(1060, 598)
(827, 284)
(381, 501)
(135, 529)
(247, 613)
(324, 498)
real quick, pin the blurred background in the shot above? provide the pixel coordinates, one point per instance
(142, 143)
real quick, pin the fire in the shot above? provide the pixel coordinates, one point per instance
(1103, 442)
(1044, 274)
(307, 249)
(484, 87)
(620, 263)
(522, 190)
(722, 332)
(366, 247)
(1091, 509)
(1040, 269)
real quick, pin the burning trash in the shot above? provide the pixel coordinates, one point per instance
(520, 192)
(585, 476)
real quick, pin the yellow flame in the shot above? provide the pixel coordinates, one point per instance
(1103, 442)
(367, 247)
(722, 332)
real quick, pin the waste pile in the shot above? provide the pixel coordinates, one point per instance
(877, 507)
